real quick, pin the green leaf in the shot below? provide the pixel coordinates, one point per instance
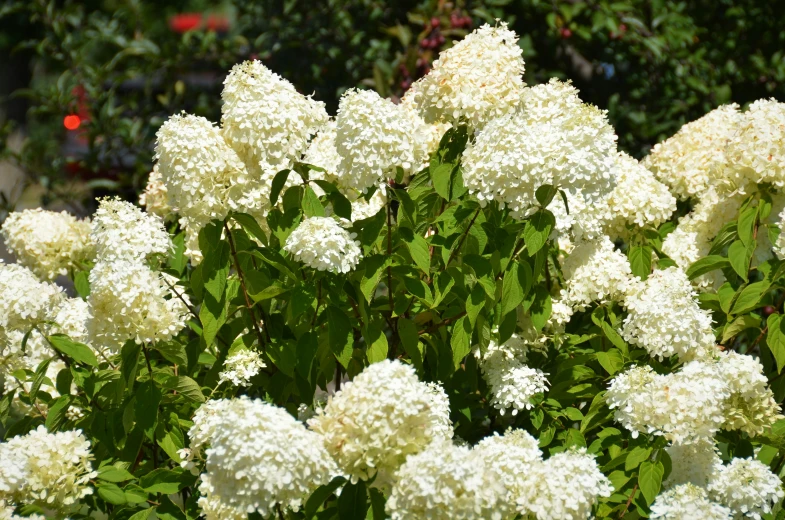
(376, 341)
(307, 346)
(461, 340)
(741, 323)
(188, 388)
(650, 479)
(441, 179)
(545, 194)
(538, 229)
(251, 226)
(538, 304)
(82, 283)
(746, 224)
(340, 335)
(162, 480)
(353, 502)
(173, 352)
(706, 265)
(475, 303)
(76, 351)
(177, 259)
(114, 474)
(410, 339)
(739, 256)
(112, 494)
(775, 339)
(749, 297)
(148, 397)
(635, 457)
(321, 494)
(517, 282)
(277, 185)
(38, 380)
(129, 356)
(640, 260)
(312, 206)
(377, 504)
(144, 514)
(56, 415)
(418, 248)
(612, 360)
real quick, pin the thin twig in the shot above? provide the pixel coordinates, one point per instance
(629, 501)
(248, 304)
(463, 237)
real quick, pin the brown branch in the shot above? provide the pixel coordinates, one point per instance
(443, 323)
(629, 501)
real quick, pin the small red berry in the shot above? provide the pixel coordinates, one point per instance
(565, 32)
(435, 22)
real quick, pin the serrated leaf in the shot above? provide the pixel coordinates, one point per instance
(741, 323)
(112, 494)
(312, 206)
(321, 494)
(475, 303)
(461, 340)
(188, 388)
(82, 283)
(538, 229)
(706, 265)
(635, 457)
(340, 335)
(441, 176)
(640, 260)
(277, 185)
(775, 339)
(148, 397)
(545, 194)
(376, 341)
(114, 474)
(76, 351)
(516, 283)
(739, 256)
(250, 225)
(407, 331)
(746, 224)
(162, 480)
(418, 248)
(612, 360)
(650, 479)
(538, 304)
(749, 297)
(56, 414)
(353, 502)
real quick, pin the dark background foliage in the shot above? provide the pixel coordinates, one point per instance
(123, 66)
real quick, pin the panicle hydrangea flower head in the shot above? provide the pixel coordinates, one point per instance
(321, 243)
(627, 395)
(553, 138)
(512, 383)
(665, 319)
(747, 487)
(380, 418)
(477, 80)
(374, 137)
(47, 242)
(751, 407)
(50, 470)
(756, 152)
(24, 300)
(259, 456)
(155, 197)
(596, 272)
(638, 199)
(123, 231)
(7, 513)
(564, 487)
(685, 502)
(266, 121)
(128, 300)
(445, 482)
(240, 367)
(692, 463)
(692, 159)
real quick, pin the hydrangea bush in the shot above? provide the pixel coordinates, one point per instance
(467, 305)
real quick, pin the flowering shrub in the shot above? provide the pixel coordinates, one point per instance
(466, 305)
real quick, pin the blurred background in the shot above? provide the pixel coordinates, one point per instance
(84, 85)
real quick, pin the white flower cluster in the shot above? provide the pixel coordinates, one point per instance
(553, 138)
(665, 319)
(596, 272)
(25, 302)
(384, 415)
(512, 383)
(374, 137)
(47, 242)
(123, 231)
(756, 153)
(266, 121)
(259, 456)
(321, 243)
(51, 470)
(240, 367)
(691, 405)
(473, 82)
(155, 197)
(639, 199)
(687, 501)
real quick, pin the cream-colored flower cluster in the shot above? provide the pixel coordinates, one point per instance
(323, 244)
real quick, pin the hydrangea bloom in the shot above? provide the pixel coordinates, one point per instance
(687, 501)
(513, 384)
(240, 367)
(756, 152)
(155, 197)
(747, 487)
(123, 231)
(24, 300)
(692, 463)
(259, 456)
(595, 272)
(51, 470)
(321, 243)
(690, 161)
(638, 199)
(475, 81)
(564, 487)
(665, 319)
(553, 139)
(47, 242)
(751, 407)
(381, 417)
(266, 121)
(445, 482)
(375, 137)
(128, 300)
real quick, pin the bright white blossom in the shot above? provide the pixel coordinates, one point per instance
(24, 300)
(258, 456)
(665, 319)
(687, 502)
(553, 139)
(564, 487)
(130, 301)
(512, 383)
(478, 79)
(747, 487)
(751, 407)
(384, 415)
(692, 463)
(266, 121)
(123, 231)
(240, 367)
(155, 197)
(692, 159)
(445, 482)
(47, 242)
(756, 152)
(51, 470)
(321, 243)
(374, 137)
